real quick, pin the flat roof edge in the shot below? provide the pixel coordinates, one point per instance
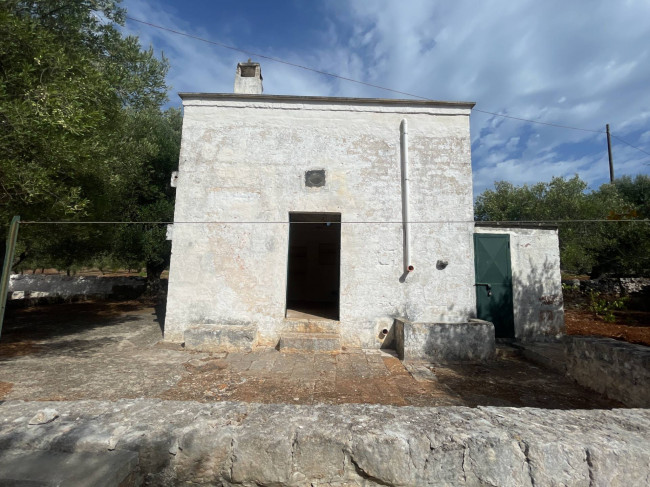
(542, 225)
(329, 99)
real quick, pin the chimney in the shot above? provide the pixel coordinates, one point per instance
(248, 78)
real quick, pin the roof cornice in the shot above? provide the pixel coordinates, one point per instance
(326, 99)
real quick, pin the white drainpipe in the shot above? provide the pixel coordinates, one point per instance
(406, 223)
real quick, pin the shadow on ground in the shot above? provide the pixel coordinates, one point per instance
(113, 350)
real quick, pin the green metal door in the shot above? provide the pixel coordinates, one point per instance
(494, 282)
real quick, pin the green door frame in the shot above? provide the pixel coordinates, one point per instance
(493, 274)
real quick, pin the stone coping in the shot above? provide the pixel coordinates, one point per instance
(231, 443)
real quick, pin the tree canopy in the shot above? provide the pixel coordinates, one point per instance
(82, 134)
(619, 245)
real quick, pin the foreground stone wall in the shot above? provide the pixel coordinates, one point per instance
(182, 443)
(39, 286)
(243, 159)
(617, 369)
(536, 280)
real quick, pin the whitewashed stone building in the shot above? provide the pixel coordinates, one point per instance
(317, 222)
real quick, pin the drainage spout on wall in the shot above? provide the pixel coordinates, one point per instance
(406, 223)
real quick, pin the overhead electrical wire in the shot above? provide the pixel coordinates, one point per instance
(232, 222)
(633, 146)
(371, 85)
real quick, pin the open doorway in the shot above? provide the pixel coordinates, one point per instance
(313, 270)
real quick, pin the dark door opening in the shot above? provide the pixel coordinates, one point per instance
(494, 282)
(313, 271)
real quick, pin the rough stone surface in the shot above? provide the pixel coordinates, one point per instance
(615, 285)
(446, 342)
(315, 342)
(230, 443)
(536, 281)
(44, 416)
(243, 159)
(220, 338)
(39, 286)
(617, 369)
(79, 469)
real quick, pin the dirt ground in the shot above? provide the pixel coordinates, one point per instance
(630, 326)
(111, 350)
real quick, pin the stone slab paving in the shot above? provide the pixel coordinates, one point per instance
(112, 351)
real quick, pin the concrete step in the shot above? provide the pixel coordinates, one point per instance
(220, 338)
(51, 468)
(310, 342)
(294, 325)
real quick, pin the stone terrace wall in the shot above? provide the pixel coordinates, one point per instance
(619, 370)
(36, 287)
(228, 443)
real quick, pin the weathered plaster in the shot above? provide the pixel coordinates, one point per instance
(242, 170)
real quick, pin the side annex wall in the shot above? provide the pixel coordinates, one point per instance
(536, 280)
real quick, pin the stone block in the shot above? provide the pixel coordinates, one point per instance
(220, 338)
(617, 369)
(446, 342)
(312, 342)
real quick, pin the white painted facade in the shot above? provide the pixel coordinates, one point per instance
(242, 171)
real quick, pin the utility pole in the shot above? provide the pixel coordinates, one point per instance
(611, 160)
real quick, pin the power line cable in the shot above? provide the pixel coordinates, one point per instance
(333, 75)
(232, 222)
(626, 142)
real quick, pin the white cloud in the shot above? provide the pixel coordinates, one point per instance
(580, 64)
(570, 63)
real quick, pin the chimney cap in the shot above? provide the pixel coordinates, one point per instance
(249, 69)
(248, 78)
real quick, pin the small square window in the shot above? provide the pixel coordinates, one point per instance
(315, 178)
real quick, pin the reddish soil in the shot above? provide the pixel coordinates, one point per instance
(5, 387)
(630, 326)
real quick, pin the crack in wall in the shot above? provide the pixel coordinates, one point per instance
(591, 466)
(525, 449)
(366, 476)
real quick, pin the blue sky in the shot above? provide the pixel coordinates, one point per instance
(581, 63)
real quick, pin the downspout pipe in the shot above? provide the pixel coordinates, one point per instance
(406, 223)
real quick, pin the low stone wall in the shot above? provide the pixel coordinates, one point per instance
(230, 443)
(444, 342)
(637, 289)
(36, 288)
(619, 370)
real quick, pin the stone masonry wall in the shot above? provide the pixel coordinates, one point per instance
(229, 443)
(536, 280)
(617, 369)
(42, 287)
(244, 159)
